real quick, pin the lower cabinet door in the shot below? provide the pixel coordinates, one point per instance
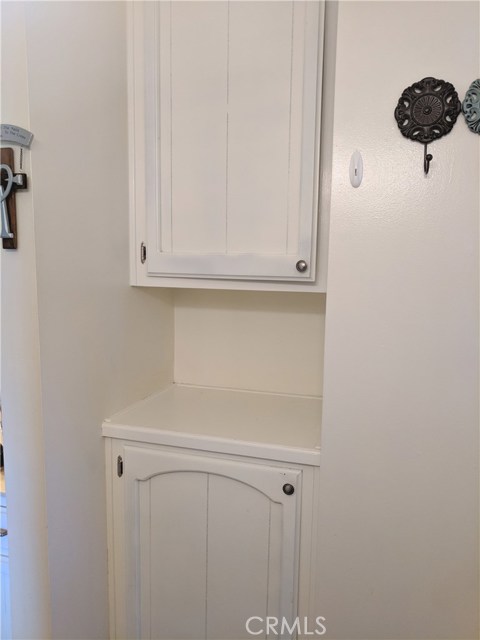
(210, 543)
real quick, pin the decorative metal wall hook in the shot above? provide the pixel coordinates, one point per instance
(427, 158)
(426, 111)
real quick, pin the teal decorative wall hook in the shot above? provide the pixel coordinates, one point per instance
(471, 106)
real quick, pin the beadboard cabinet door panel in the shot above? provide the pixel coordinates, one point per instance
(259, 118)
(172, 564)
(190, 80)
(244, 543)
(225, 127)
(209, 542)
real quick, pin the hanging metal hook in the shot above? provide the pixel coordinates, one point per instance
(427, 158)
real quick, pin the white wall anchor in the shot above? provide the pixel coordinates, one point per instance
(356, 169)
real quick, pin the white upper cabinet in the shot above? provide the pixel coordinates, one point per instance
(225, 137)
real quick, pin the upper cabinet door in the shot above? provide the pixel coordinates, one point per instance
(226, 122)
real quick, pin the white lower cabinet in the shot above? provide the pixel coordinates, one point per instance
(210, 542)
(203, 540)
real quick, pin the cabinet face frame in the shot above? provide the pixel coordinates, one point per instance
(305, 575)
(212, 270)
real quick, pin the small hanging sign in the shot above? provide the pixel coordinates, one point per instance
(11, 134)
(426, 111)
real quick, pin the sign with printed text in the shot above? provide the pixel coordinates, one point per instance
(12, 134)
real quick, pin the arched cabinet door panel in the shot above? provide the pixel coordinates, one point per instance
(210, 542)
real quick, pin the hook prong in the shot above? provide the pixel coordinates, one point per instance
(427, 158)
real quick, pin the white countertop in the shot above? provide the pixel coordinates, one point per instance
(266, 425)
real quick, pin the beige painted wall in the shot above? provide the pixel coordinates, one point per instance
(400, 474)
(250, 340)
(102, 343)
(20, 365)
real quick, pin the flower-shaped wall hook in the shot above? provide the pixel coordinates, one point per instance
(471, 106)
(426, 111)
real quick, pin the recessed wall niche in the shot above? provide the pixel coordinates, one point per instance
(260, 341)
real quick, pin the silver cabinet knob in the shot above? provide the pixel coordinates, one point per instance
(301, 266)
